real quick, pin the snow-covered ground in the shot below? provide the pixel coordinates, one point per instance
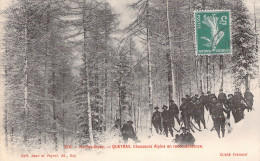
(244, 139)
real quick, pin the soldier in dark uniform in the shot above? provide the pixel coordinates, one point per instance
(128, 132)
(192, 108)
(199, 117)
(239, 106)
(249, 97)
(174, 113)
(222, 98)
(185, 138)
(218, 118)
(185, 114)
(157, 120)
(166, 121)
(230, 106)
(237, 97)
(207, 101)
(238, 111)
(202, 98)
(211, 102)
(188, 98)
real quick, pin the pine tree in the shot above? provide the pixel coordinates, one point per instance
(243, 37)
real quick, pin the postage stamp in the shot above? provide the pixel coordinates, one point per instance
(213, 32)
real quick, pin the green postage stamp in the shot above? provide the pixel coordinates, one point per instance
(213, 35)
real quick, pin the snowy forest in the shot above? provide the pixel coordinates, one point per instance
(71, 70)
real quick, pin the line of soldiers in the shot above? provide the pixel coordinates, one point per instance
(192, 108)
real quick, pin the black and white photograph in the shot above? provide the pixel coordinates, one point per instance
(135, 80)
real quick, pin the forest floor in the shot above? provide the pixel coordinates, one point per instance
(244, 139)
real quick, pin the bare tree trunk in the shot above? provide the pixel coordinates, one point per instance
(47, 54)
(26, 108)
(6, 120)
(247, 81)
(200, 73)
(63, 111)
(12, 138)
(111, 110)
(207, 72)
(221, 71)
(106, 73)
(55, 132)
(139, 102)
(196, 73)
(171, 79)
(86, 65)
(139, 118)
(132, 84)
(63, 129)
(6, 125)
(214, 77)
(150, 97)
(120, 101)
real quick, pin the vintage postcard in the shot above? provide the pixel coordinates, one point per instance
(134, 80)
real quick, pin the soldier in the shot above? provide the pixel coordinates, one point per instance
(174, 112)
(192, 108)
(218, 118)
(115, 133)
(185, 116)
(207, 101)
(128, 132)
(166, 121)
(237, 97)
(249, 97)
(157, 120)
(185, 138)
(222, 98)
(188, 98)
(212, 101)
(230, 106)
(199, 117)
(202, 98)
(238, 111)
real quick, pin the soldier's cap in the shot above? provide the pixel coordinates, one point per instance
(187, 95)
(208, 92)
(237, 89)
(183, 99)
(213, 96)
(221, 90)
(130, 122)
(171, 100)
(164, 106)
(156, 107)
(194, 98)
(230, 95)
